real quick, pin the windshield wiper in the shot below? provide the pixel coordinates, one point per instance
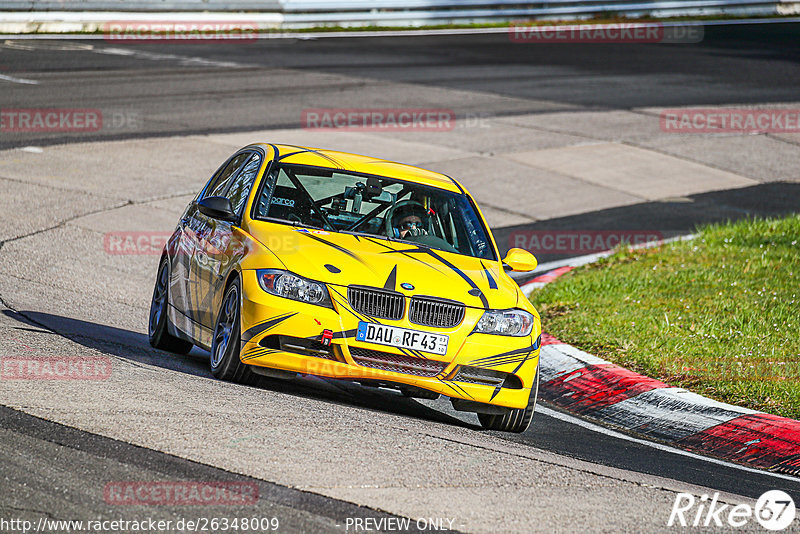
(416, 243)
(291, 223)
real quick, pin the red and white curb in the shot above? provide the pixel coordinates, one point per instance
(593, 388)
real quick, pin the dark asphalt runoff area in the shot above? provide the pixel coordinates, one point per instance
(265, 85)
(61, 473)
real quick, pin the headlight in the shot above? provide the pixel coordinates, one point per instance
(291, 286)
(515, 323)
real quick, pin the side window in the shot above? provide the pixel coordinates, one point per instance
(219, 182)
(240, 186)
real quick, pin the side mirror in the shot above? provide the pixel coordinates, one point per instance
(217, 208)
(519, 260)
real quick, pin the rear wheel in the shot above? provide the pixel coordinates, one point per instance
(157, 330)
(226, 344)
(517, 419)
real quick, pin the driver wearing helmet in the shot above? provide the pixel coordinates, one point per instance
(409, 219)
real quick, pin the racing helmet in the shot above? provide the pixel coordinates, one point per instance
(402, 210)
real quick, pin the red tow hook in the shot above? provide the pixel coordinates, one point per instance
(327, 336)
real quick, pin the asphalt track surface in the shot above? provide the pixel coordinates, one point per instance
(202, 89)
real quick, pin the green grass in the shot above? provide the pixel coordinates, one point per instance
(600, 18)
(719, 314)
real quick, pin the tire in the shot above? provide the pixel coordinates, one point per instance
(226, 343)
(517, 419)
(157, 328)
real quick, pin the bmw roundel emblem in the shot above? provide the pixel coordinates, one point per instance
(407, 286)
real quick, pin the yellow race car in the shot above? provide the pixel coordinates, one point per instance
(300, 260)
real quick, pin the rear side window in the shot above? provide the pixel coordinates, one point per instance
(240, 185)
(220, 182)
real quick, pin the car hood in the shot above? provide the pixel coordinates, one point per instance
(345, 259)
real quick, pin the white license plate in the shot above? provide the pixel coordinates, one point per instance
(402, 338)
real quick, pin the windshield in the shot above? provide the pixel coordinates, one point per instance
(382, 207)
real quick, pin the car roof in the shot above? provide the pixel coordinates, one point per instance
(333, 159)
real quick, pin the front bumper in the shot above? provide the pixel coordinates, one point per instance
(279, 333)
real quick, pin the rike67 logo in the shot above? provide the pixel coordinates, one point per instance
(774, 510)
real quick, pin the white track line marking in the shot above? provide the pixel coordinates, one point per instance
(608, 432)
(59, 46)
(154, 56)
(116, 51)
(18, 80)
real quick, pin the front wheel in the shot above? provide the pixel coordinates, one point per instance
(226, 344)
(157, 330)
(517, 419)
